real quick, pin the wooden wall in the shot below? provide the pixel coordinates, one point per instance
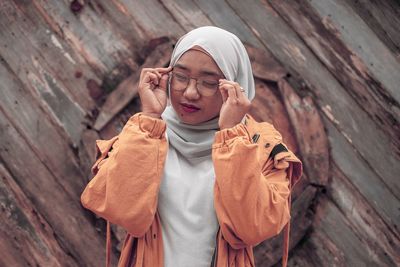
(327, 75)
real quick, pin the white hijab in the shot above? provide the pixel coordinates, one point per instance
(195, 141)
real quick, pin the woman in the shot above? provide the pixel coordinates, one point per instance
(197, 182)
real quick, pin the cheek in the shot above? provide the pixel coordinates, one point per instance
(215, 105)
(174, 97)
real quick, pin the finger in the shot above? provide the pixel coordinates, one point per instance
(145, 73)
(224, 93)
(231, 92)
(157, 73)
(240, 92)
(151, 77)
(164, 70)
(164, 82)
(225, 81)
(153, 71)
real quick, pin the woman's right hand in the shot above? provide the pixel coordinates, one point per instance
(152, 89)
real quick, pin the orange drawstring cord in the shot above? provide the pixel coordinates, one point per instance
(286, 233)
(108, 245)
(286, 230)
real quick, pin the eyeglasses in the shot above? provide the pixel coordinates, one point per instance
(205, 87)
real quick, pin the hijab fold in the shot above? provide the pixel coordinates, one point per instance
(195, 141)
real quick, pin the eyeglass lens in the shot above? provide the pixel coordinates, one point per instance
(205, 86)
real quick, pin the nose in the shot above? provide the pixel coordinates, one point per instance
(191, 91)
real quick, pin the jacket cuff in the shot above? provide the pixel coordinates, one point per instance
(155, 127)
(229, 134)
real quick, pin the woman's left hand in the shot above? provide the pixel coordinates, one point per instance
(235, 104)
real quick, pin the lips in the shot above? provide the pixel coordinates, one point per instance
(189, 107)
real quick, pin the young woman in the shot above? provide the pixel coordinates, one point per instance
(196, 182)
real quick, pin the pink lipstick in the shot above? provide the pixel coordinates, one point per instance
(189, 108)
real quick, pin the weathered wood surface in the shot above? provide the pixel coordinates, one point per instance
(383, 18)
(118, 99)
(327, 76)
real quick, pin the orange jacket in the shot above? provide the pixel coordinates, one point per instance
(251, 191)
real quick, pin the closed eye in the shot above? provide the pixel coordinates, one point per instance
(180, 77)
(211, 84)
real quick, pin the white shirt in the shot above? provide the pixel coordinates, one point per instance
(186, 208)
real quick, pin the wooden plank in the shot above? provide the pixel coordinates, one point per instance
(49, 50)
(117, 18)
(186, 13)
(344, 65)
(26, 229)
(152, 17)
(114, 127)
(102, 35)
(365, 222)
(336, 104)
(63, 213)
(222, 15)
(338, 229)
(362, 40)
(127, 89)
(383, 18)
(316, 250)
(87, 33)
(40, 71)
(264, 65)
(367, 182)
(142, 24)
(43, 136)
(310, 133)
(7, 250)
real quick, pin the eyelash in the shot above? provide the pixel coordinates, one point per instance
(182, 74)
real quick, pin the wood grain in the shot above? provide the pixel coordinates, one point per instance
(326, 76)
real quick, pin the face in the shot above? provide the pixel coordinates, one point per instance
(192, 107)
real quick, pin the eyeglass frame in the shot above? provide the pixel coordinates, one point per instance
(171, 74)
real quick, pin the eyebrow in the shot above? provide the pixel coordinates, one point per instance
(202, 71)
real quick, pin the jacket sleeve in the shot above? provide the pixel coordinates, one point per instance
(251, 195)
(128, 174)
